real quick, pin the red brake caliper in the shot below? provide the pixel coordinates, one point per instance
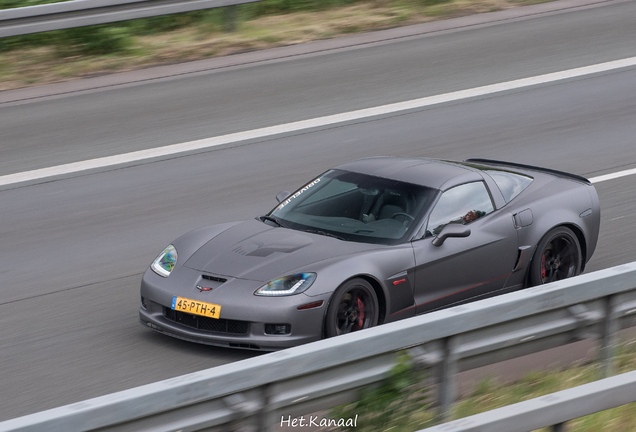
(543, 267)
(360, 313)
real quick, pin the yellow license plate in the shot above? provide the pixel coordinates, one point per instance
(196, 307)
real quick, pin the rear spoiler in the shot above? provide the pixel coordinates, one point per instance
(531, 167)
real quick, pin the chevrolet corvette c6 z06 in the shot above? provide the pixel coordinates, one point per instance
(369, 242)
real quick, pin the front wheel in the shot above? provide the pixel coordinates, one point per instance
(353, 307)
(558, 256)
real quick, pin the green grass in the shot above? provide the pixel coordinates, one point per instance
(88, 51)
(9, 4)
(408, 404)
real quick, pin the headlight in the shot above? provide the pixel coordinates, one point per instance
(165, 262)
(288, 285)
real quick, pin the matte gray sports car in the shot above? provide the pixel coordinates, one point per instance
(370, 242)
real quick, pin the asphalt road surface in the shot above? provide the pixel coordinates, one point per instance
(73, 248)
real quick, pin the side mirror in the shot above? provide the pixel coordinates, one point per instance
(282, 196)
(451, 230)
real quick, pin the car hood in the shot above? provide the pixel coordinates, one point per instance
(254, 250)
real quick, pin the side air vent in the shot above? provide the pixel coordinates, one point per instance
(214, 278)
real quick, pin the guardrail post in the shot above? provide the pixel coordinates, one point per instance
(264, 421)
(448, 372)
(608, 336)
(229, 17)
(560, 427)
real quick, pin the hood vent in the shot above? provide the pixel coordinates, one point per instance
(214, 278)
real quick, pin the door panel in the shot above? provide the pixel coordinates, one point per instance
(462, 268)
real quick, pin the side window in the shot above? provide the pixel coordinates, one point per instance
(461, 204)
(510, 184)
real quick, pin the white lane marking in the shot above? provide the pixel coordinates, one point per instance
(173, 149)
(613, 176)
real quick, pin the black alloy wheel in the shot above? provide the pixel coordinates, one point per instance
(353, 307)
(558, 257)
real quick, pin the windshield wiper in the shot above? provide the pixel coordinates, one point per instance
(280, 224)
(273, 219)
(328, 234)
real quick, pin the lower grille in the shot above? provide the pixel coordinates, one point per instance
(205, 323)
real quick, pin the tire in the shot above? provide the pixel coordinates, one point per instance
(354, 306)
(557, 257)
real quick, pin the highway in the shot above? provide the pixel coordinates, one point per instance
(73, 247)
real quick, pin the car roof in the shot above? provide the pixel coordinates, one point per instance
(433, 173)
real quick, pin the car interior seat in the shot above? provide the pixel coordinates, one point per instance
(390, 203)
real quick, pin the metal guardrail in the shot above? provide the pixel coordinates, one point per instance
(78, 13)
(322, 374)
(554, 409)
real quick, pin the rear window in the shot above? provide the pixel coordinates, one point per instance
(510, 184)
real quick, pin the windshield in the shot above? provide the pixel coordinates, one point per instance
(355, 207)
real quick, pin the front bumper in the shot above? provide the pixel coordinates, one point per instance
(243, 319)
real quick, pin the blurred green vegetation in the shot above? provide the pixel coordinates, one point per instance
(402, 402)
(269, 7)
(117, 37)
(107, 38)
(402, 396)
(8, 4)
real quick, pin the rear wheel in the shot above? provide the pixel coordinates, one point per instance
(353, 307)
(558, 256)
